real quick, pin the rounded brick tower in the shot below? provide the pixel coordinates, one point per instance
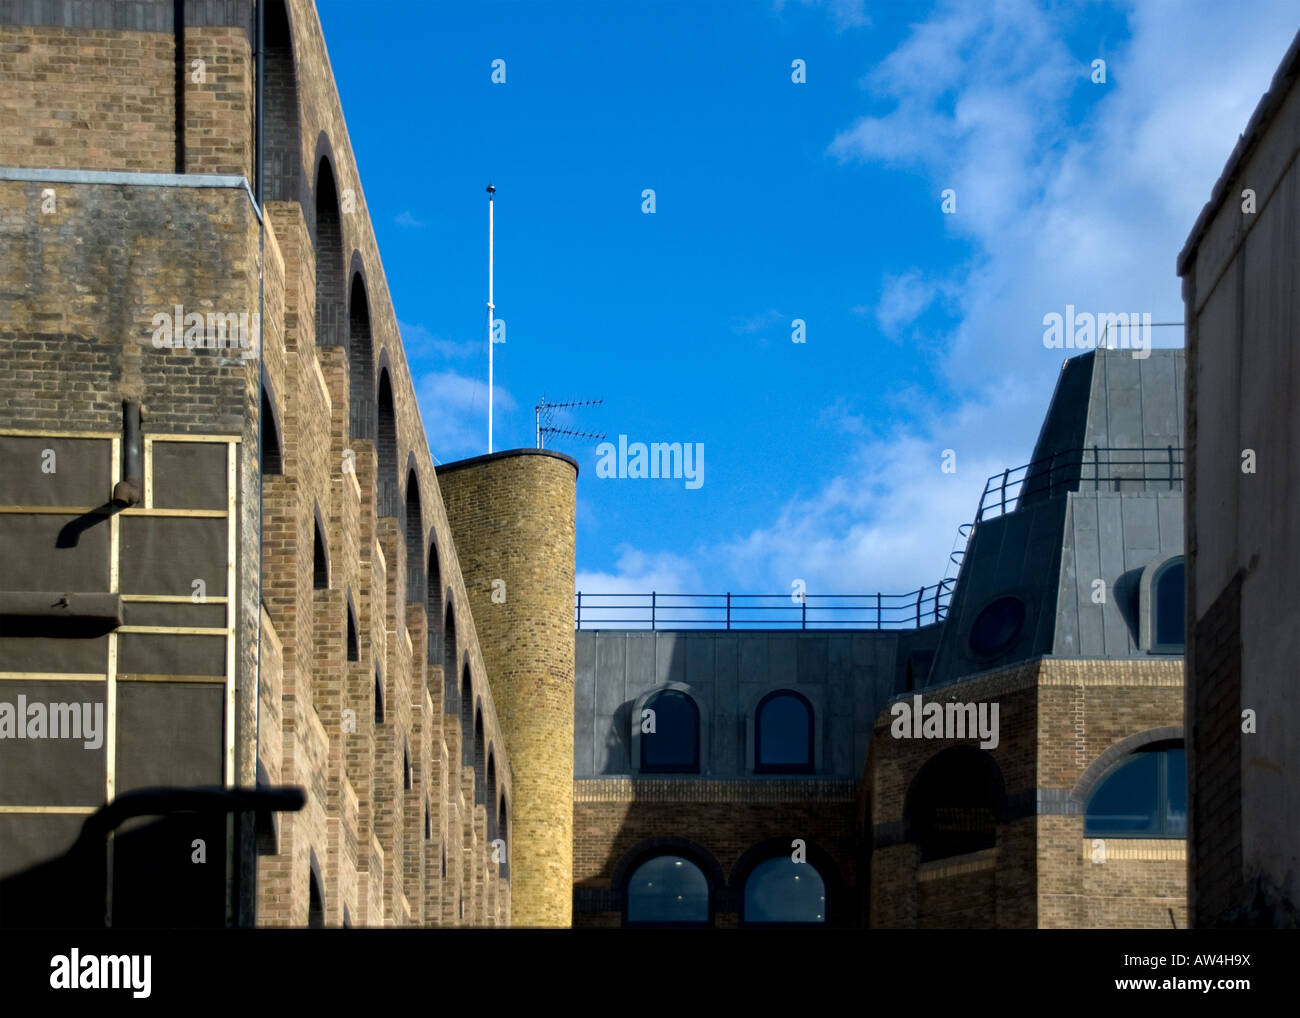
(513, 518)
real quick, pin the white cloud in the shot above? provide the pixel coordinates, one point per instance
(843, 13)
(454, 410)
(903, 299)
(1091, 213)
(1056, 210)
(405, 218)
(418, 341)
(745, 326)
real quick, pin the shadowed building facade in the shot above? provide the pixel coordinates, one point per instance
(220, 518)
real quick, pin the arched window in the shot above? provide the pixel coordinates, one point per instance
(283, 150)
(668, 889)
(428, 828)
(315, 903)
(449, 661)
(379, 700)
(673, 746)
(386, 450)
(466, 718)
(1143, 796)
(783, 733)
(780, 890)
(361, 363)
(329, 259)
(406, 767)
(320, 572)
(272, 463)
(433, 604)
(491, 797)
(353, 652)
(414, 540)
(480, 774)
(503, 832)
(953, 804)
(1169, 610)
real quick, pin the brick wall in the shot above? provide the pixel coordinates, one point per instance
(615, 819)
(81, 285)
(514, 517)
(1061, 724)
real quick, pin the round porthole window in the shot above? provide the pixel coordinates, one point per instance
(997, 626)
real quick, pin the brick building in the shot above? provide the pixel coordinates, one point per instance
(222, 529)
(220, 523)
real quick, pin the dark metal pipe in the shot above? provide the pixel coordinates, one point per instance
(130, 490)
(178, 36)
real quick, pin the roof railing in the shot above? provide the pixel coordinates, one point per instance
(657, 610)
(1101, 468)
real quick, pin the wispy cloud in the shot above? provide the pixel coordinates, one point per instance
(844, 14)
(454, 409)
(419, 342)
(406, 219)
(748, 325)
(1058, 207)
(903, 299)
(639, 572)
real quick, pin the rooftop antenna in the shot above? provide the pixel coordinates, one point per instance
(544, 411)
(491, 191)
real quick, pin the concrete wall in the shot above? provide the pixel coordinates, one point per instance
(1240, 277)
(846, 677)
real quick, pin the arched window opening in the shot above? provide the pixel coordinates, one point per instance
(315, 904)
(272, 463)
(428, 828)
(503, 832)
(783, 733)
(282, 163)
(780, 890)
(379, 700)
(491, 797)
(1169, 612)
(361, 363)
(466, 719)
(353, 651)
(1143, 796)
(668, 889)
(329, 259)
(954, 802)
(673, 746)
(433, 605)
(480, 772)
(449, 662)
(414, 541)
(386, 450)
(320, 561)
(406, 767)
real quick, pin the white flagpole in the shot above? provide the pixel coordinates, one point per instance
(490, 307)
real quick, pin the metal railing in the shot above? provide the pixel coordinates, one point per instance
(1099, 468)
(763, 611)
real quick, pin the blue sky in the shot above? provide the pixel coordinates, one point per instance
(777, 201)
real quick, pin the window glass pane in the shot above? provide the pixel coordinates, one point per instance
(1127, 801)
(1171, 607)
(783, 729)
(781, 890)
(668, 889)
(1176, 783)
(674, 744)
